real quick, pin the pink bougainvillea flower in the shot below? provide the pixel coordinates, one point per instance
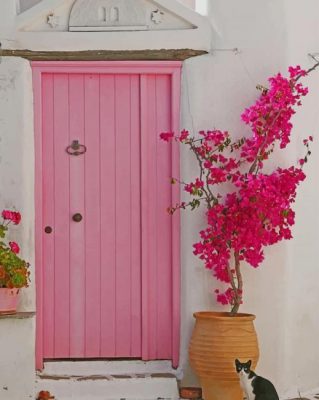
(166, 136)
(222, 299)
(14, 247)
(194, 187)
(183, 136)
(256, 209)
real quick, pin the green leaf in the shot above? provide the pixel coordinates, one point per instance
(3, 230)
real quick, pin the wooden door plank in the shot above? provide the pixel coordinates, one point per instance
(176, 226)
(149, 204)
(135, 256)
(108, 216)
(92, 216)
(123, 215)
(62, 216)
(38, 194)
(163, 219)
(159, 299)
(48, 214)
(77, 231)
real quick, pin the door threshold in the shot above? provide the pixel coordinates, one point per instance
(106, 387)
(101, 368)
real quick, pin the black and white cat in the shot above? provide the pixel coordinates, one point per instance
(254, 386)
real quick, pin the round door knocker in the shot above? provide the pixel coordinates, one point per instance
(76, 149)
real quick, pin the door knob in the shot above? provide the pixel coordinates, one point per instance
(77, 217)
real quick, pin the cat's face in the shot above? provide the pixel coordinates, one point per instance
(243, 368)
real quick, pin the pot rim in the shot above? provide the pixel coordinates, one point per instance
(13, 290)
(225, 316)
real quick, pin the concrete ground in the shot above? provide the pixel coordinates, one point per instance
(310, 397)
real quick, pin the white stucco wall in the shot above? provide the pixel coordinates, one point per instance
(17, 357)
(270, 35)
(17, 336)
(283, 292)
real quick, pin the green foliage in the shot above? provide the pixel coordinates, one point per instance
(3, 230)
(14, 271)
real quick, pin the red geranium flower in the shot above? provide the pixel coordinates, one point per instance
(14, 247)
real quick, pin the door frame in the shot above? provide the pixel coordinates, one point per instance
(172, 68)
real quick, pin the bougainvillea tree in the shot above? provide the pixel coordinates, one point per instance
(247, 208)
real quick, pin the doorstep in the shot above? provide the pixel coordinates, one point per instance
(108, 380)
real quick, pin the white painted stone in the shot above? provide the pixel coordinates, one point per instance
(17, 358)
(53, 20)
(107, 13)
(84, 368)
(180, 28)
(157, 16)
(108, 388)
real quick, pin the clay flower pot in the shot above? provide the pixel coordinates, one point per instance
(8, 300)
(217, 340)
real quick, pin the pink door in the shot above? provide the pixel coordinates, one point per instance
(107, 251)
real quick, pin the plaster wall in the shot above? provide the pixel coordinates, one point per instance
(17, 357)
(17, 336)
(269, 35)
(25, 4)
(189, 3)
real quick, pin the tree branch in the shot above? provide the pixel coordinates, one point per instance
(239, 288)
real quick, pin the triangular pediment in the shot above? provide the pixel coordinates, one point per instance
(107, 15)
(111, 25)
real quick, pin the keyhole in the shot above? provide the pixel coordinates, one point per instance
(102, 14)
(114, 14)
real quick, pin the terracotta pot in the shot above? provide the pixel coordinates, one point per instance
(190, 393)
(217, 340)
(8, 300)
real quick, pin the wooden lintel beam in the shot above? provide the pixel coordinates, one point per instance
(104, 55)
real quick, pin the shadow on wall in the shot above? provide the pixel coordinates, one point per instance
(25, 4)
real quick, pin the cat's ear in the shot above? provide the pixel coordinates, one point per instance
(237, 361)
(249, 363)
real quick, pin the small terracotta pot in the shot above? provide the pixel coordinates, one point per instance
(217, 340)
(190, 393)
(8, 300)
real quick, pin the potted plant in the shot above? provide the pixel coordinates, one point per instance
(14, 271)
(247, 208)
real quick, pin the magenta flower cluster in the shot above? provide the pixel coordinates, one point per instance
(256, 210)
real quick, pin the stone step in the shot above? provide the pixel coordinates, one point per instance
(109, 387)
(108, 367)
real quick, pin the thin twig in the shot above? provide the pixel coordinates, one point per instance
(206, 190)
(252, 168)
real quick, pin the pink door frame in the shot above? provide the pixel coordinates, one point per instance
(172, 68)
